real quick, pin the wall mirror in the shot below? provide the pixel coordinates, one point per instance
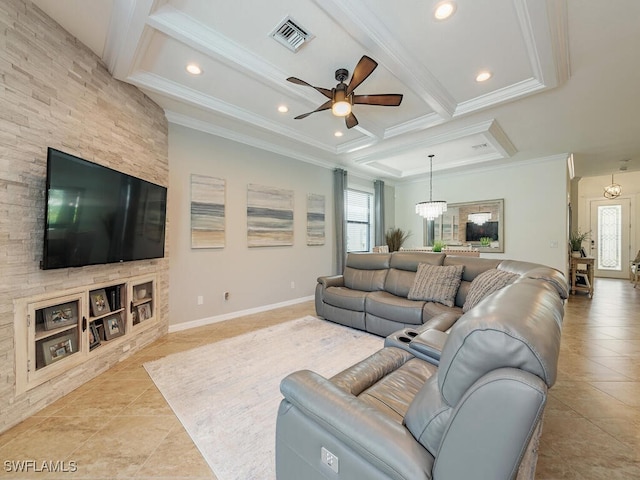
(476, 224)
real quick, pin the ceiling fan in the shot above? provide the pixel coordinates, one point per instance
(341, 98)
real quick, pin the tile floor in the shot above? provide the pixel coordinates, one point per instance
(118, 425)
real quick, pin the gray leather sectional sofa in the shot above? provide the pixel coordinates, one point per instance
(461, 404)
(372, 292)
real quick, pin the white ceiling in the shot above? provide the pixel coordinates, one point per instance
(565, 77)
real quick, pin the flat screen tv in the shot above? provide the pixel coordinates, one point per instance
(96, 215)
(475, 232)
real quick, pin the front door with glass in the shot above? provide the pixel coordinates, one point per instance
(610, 234)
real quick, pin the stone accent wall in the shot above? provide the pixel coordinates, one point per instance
(55, 92)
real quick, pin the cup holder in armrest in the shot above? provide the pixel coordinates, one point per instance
(404, 339)
(430, 343)
(411, 333)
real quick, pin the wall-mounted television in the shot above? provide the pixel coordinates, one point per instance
(475, 232)
(96, 215)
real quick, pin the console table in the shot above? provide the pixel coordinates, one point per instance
(588, 265)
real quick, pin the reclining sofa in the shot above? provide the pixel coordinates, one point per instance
(372, 294)
(458, 404)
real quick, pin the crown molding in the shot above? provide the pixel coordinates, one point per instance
(503, 95)
(489, 129)
(544, 30)
(157, 84)
(183, 28)
(421, 123)
(213, 129)
(126, 35)
(357, 18)
(496, 167)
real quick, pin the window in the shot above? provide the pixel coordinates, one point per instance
(359, 206)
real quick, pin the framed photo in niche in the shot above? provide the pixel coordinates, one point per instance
(94, 336)
(113, 327)
(144, 312)
(60, 315)
(58, 347)
(99, 303)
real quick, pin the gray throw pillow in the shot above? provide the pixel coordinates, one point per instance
(436, 283)
(485, 284)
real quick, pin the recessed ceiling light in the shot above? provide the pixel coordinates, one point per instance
(283, 109)
(194, 69)
(483, 76)
(338, 134)
(444, 10)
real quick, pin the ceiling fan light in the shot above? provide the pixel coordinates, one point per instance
(341, 108)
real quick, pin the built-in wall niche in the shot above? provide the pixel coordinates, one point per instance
(58, 332)
(141, 305)
(476, 224)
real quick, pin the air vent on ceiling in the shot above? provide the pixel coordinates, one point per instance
(480, 146)
(291, 34)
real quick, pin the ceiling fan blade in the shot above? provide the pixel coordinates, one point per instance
(386, 99)
(323, 91)
(363, 69)
(351, 120)
(325, 106)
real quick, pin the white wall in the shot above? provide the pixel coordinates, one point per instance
(255, 277)
(535, 206)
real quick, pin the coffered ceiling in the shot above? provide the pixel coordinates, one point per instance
(564, 76)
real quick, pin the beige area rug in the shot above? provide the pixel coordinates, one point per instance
(226, 394)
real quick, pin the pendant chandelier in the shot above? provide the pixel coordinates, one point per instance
(433, 208)
(612, 191)
(479, 218)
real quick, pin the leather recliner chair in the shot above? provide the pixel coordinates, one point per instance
(473, 413)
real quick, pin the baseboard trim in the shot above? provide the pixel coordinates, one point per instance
(230, 316)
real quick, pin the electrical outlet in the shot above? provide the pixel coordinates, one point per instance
(293, 284)
(200, 299)
(225, 295)
(329, 459)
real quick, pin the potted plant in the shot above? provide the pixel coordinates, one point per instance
(485, 241)
(575, 240)
(438, 245)
(395, 237)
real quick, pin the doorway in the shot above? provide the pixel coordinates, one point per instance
(610, 224)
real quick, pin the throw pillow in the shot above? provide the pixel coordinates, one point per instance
(485, 284)
(436, 283)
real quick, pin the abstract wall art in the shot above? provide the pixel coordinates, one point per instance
(207, 212)
(269, 216)
(315, 219)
